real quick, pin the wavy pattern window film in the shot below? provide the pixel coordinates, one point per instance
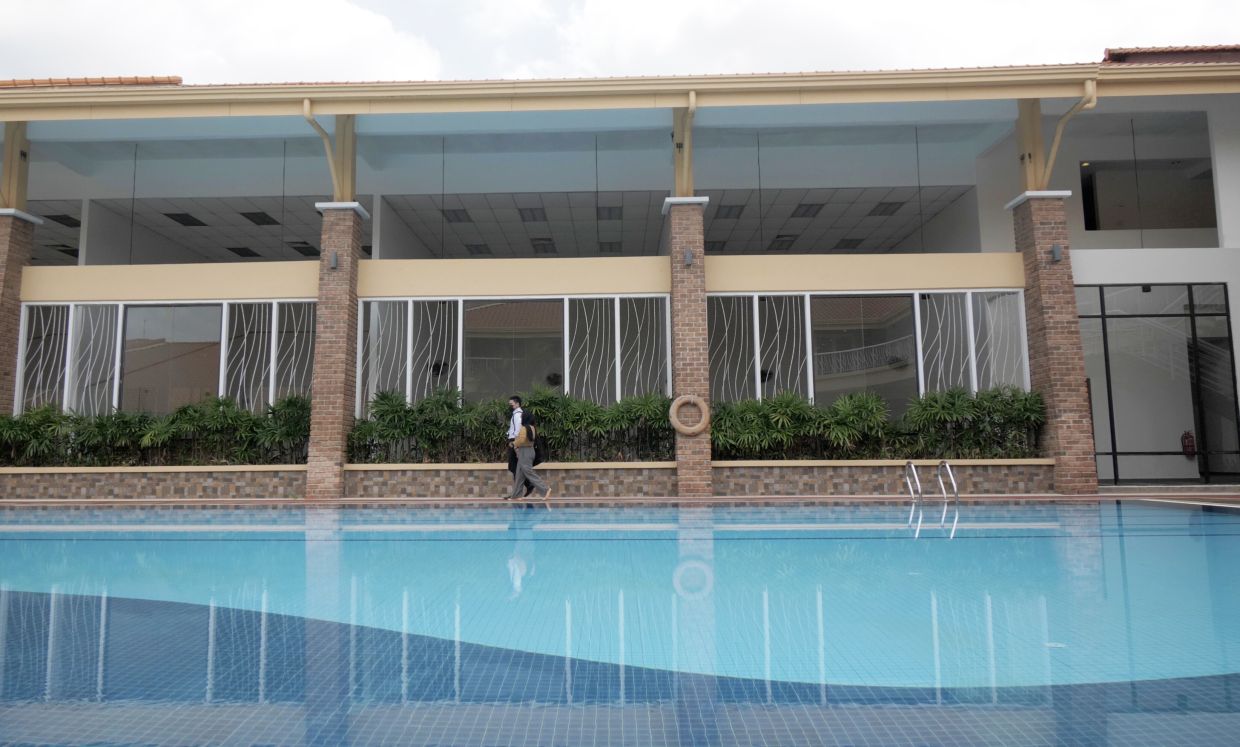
(294, 349)
(729, 323)
(383, 346)
(47, 330)
(434, 356)
(592, 349)
(945, 341)
(999, 342)
(781, 333)
(249, 355)
(94, 358)
(643, 346)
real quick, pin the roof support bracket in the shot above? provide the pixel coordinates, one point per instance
(341, 154)
(1087, 101)
(14, 166)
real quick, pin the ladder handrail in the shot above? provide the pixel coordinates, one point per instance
(944, 467)
(913, 483)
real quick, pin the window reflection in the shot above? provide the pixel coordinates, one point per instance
(864, 344)
(171, 357)
(513, 346)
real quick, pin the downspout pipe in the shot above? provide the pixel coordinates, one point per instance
(1088, 101)
(307, 111)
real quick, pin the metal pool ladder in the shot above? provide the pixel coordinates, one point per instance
(916, 508)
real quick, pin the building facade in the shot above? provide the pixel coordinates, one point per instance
(1074, 229)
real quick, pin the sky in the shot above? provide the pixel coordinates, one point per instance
(253, 41)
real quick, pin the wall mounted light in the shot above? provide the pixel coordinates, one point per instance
(1056, 253)
(688, 258)
(335, 261)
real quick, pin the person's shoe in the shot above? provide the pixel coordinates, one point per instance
(547, 498)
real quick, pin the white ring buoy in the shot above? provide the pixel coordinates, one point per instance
(693, 579)
(674, 415)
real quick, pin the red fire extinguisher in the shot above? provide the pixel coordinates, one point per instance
(1188, 444)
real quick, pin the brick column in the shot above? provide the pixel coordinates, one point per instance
(1056, 360)
(16, 240)
(690, 362)
(332, 389)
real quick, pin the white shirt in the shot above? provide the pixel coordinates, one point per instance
(514, 427)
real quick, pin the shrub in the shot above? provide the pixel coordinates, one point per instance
(213, 431)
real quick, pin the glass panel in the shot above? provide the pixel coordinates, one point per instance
(864, 344)
(1146, 299)
(1158, 467)
(729, 326)
(592, 349)
(781, 321)
(1088, 300)
(47, 329)
(294, 349)
(434, 357)
(513, 347)
(384, 351)
(1095, 375)
(1106, 468)
(1210, 299)
(1152, 391)
(249, 354)
(94, 359)
(171, 357)
(1216, 386)
(643, 346)
(998, 341)
(945, 341)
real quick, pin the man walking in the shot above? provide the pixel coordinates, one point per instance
(521, 436)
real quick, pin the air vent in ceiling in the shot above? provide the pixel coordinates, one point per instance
(260, 218)
(456, 215)
(848, 244)
(243, 251)
(886, 208)
(304, 248)
(807, 210)
(729, 212)
(782, 243)
(543, 246)
(609, 213)
(185, 219)
(478, 250)
(716, 246)
(533, 215)
(65, 220)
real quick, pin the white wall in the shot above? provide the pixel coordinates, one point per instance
(998, 181)
(1224, 117)
(106, 241)
(392, 237)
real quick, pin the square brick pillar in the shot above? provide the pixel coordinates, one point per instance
(1056, 360)
(690, 361)
(332, 388)
(16, 240)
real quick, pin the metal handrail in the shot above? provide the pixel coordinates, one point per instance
(913, 483)
(945, 468)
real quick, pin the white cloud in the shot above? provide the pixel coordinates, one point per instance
(213, 41)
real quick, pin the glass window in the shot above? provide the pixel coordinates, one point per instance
(384, 348)
(1096, 376)
(592, 349)
(47, 329)
(729, 324)
(1152, 391)
(1149, 193)
(864, 344)
(434, 355)
(1088, 300)
(643, 346)
(945, 341)
(249, 354)
(94, 358)
(781, 333)
(294, 348)
(1216, 389)
(171, 356)
(1210, 299)
(513, 347)
(1146, 299)
(999, 343)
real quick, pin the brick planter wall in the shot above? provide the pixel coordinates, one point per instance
(757, 478)
(494, 481)
(113, 485)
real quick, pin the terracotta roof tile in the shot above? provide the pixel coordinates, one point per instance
(1164, 55)
(129, 80)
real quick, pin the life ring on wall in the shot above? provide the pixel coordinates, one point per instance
(674, 415)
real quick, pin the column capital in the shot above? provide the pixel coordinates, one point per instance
(21, 215)
(354, 206)
(671, 202)
(1045, 194)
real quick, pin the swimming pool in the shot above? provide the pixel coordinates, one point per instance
(1111, 623)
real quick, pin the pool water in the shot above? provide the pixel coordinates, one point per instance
(1111, 623)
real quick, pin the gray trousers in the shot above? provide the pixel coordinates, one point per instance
(525, 471)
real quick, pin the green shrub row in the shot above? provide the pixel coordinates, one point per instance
(214, 431)
(1000, 423)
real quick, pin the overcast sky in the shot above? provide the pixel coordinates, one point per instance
(231, 41)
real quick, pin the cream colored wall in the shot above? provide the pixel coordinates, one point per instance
(512, 278)
(858, 272)
(194, 282)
